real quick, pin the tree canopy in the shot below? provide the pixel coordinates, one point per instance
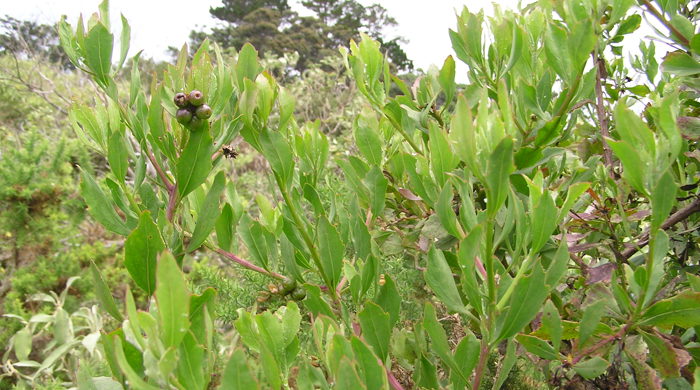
(29, 38)
(273, 27)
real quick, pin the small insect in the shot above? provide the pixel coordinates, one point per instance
(229, 152)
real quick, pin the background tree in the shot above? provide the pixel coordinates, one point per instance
(272, 27)
(31, 39)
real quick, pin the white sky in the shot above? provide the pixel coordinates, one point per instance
(157, 24)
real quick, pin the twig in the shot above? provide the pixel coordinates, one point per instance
(599, 345)
(666, 23)
(172, 202)
(247, 264)
(678, 216)
(483, 356)
(168, 185)
(602, 115)
(393, 382)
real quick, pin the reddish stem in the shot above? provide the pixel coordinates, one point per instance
(172, 203)
(599, 344)
(483, 356)
(168, 185)
(393, 382)
(658, 15)
(247, 264)
(602, 115)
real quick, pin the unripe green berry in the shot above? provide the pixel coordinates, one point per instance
(184, 116)
(196, 98)
(298, 294)
(288, 285)
(203, 111)
(180, 100)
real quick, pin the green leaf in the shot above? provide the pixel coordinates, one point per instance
(22, 343)
(525, 303)
(506, 364)
(463, 136)
(551, 324)
(439, 277)
(347, 377)
(201, 316)
(516, 48)
(442, 159)
(466, 357)
(247, 66)
(194, 164)
(100, 207)
(590, 320)
(258, 241)
(134, 378)
(315, 303)
(663, 197)
(446, 79)
(497, 179)
(389, 299)
(117, 156)
(426, 374)
(466, 256)
(573, 193)
(680, 64)
(208, 213)
(559, 265)
(173, 300)
(437, 336)
(371, 372)
(191, 367)
(124, 41)
(98, 52)
(663, 355)
(629, 25)
(376, 328)
(237, 374)
(446, 213)
(368, 141)
(141, 251)
(331, 250)
(556, 50)
(543, 220)
(104, 294)
(279, 154)
(682, 310)
(225, 228)
(591, 368)
(377, 185)
(633, 164)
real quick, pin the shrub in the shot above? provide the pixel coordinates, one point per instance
(529, 243)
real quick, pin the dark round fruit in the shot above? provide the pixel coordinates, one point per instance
(288, 285)
(180, 100)
(196, 98)
(203, 111)
(298, 294)
(184, 116)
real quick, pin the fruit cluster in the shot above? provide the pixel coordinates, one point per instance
(191, 107)
(288, 287)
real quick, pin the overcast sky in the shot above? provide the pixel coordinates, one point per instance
(157, 24)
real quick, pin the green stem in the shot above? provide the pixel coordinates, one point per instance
(488, 264)
(403, 133)
(649, 268)
(305, 235)
(519, 275)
